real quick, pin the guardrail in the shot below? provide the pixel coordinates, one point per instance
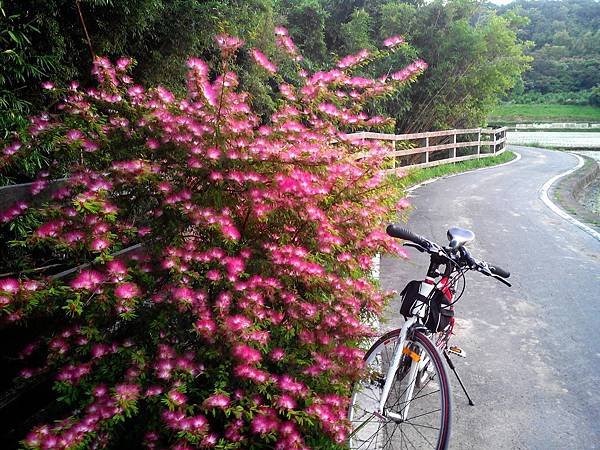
(433, 148)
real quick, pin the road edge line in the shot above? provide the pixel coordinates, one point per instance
(557, 209)
(423, 183)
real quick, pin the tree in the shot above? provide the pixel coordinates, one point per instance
(306, 22)
(356, 33)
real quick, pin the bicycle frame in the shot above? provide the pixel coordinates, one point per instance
(412, 375)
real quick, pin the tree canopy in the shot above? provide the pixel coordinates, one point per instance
(475, 54)
(566, 47)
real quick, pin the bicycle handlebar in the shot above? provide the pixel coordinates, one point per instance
(402, 233)
(399, 232)
(499, 271)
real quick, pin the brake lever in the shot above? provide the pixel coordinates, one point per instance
(418, 247)
(499, 278)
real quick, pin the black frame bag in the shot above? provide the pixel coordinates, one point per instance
(439, 309)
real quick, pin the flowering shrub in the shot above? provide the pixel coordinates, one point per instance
(235, 322)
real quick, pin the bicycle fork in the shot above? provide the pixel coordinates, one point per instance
(391, 374)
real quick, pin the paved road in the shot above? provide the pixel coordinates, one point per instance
(533, 365)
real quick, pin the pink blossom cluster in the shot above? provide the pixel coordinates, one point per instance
(284, 41)
(69, 434)
(393, 41)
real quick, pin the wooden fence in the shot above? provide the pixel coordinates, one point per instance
(407, 150)
(433, 148)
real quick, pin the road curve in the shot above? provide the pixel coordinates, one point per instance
(533, 364)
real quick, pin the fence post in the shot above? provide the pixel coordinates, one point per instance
(494, 143)
(395, 157)
(454, 142)
(479, 143)
(426, 151)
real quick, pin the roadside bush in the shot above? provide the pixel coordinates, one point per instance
(235, 321)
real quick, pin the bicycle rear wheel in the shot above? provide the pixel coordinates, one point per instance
(427, 412)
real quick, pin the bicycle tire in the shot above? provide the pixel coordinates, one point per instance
(372, 431)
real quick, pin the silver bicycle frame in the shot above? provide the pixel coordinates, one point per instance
(391, 373)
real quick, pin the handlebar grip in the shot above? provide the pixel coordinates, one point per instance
(499, 271)
(399, 232)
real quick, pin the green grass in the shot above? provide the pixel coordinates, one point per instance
(417, 176)
(513, 113)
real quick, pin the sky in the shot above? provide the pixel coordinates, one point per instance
(501, 2)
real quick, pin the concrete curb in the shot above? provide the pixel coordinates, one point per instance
(559, 211)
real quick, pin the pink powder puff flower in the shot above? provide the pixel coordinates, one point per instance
(123, 63)
(213, 153)
(285, 402)
(31, 285)
(263, 61)
(210, 440)
(402, 204)
(213, 275)
(228, 44)
(127, 392)
(205, 327)
(231, 232)
(87, 279)
(247, 354)
(116, 267)
(89, 146)
(281, 31)
(4, 301)
(197, 423)
(237, 323)
(251, 373)
(48, 85)
(74, 135)
(176, 397)
(153, 391)
(49, 229)
(9, 285)
(221, 401)
(199, 66)
(264, 423)
(135, 91)
(277, 354)
(232, 431)
(100, 350)
(393, 41)
(127, 291)
(99, 244)
(12, 148)
(100, 391)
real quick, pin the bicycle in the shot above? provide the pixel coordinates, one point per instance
(405, 397)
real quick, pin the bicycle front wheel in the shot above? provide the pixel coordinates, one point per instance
(418, 409)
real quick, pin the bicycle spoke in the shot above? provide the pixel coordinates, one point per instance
(421, 434)
(424, 414)
(421, 425)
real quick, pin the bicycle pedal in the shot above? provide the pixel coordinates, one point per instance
(457, 351)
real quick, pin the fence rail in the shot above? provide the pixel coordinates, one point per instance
(433, 148)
